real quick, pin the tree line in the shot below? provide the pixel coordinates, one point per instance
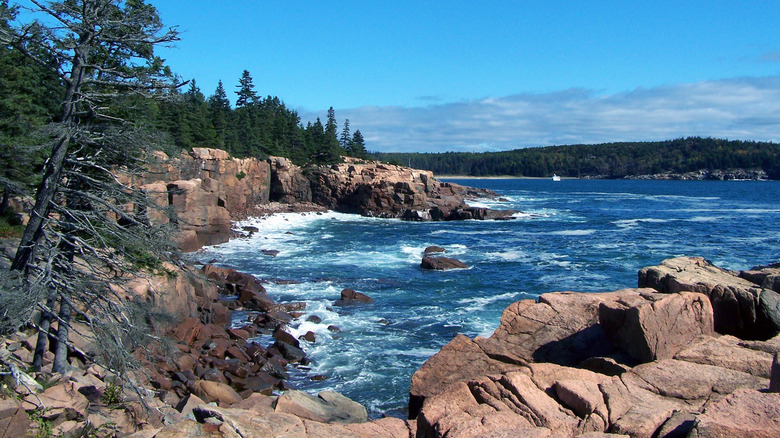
(607, 160)
(256, 127)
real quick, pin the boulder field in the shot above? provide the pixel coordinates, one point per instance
(642, 362)
(693, 352)
(207, 188)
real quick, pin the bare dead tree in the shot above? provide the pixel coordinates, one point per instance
(89, 229)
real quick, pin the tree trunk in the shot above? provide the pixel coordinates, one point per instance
(63, 327)
(43, 333)
(53, 169)
(44, 197)
(4, 203)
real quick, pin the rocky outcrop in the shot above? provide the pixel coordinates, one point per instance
(288, 183)
(204, 189)
(635, 362)
(384, 190)
(741, 308)
(709, 174)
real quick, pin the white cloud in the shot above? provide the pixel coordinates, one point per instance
(741, 108)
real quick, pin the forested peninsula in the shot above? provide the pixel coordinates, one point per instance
(683, 158)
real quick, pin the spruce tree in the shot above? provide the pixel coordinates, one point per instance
(219, 110)
(246, 90)
(358, 145)
(345, 137)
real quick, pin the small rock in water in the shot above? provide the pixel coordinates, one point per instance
(271, 252)
(319, 378)
(349, 297)
(441, 263)
(334, 329)
(314, 318)
(434, 249)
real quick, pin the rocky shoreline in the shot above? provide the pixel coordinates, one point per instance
(207, 189)
(703, 175)
(692, 351)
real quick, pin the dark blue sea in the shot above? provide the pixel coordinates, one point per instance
(572, 235)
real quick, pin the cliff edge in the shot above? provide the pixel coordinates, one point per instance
(207, 188)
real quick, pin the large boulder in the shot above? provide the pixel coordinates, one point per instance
(729, 353)
(461, 359)
(767, 277)
(652, 326)
(327, 407)
(215, 392)
(741, 308)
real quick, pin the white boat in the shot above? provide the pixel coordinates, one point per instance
(556, 177)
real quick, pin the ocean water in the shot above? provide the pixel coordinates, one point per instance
(578, 235)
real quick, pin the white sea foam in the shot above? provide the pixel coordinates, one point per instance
(509, 256)
(704, 219)
(479, 303)
(573, 232)
(633, 223)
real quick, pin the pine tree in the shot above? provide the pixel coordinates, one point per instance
(330, 125)
(27, 102)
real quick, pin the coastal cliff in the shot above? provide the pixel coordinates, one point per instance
(206, 189)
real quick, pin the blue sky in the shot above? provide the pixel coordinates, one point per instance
(467, 75)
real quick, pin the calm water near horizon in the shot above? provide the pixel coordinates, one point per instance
(579, 235)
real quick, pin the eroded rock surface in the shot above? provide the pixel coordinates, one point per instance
(656, 366)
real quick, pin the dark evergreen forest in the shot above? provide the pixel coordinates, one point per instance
(608, 160)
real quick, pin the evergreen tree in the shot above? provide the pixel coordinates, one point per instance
(345, 137)
(246, 90)
(27, 102)
(358, 145)
(197, 117)
(219, 111)
(330, 125)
